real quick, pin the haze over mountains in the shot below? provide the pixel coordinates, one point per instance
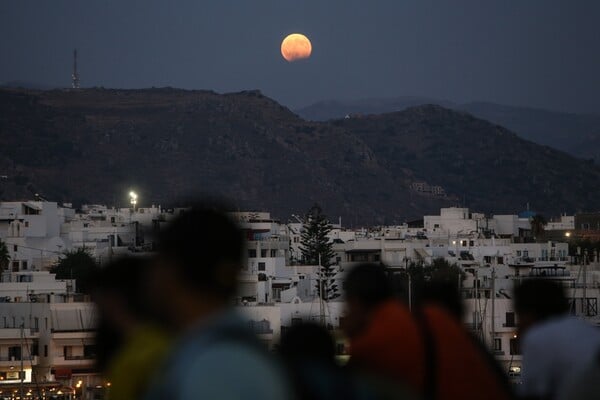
(93, 145)
(577, 134)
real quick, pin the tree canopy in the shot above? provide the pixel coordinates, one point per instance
(76, 264)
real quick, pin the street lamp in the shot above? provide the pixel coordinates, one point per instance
(568, 234)
(133, 198)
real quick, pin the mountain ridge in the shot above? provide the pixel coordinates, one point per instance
(571, 132)
(94, 145)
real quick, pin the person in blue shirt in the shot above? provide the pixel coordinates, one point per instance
(194, 276)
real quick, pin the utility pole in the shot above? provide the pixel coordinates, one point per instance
(493, 307)
(585, 302)
(321, 294)
(75, 75)
(22, 371)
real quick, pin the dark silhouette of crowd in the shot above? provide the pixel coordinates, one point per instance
(169, 330)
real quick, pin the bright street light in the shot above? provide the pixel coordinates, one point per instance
(133, 198)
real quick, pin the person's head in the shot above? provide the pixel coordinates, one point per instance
(200, 254)
(121, 284)
(307, 342)
(366, 287)
(537, 300)
(119, 291)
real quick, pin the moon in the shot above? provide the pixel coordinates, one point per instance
(295, 47)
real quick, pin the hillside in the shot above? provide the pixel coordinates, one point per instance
(575, 134)
(487, 166)
(93, 145)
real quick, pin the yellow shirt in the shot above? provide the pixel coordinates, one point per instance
(134, 365)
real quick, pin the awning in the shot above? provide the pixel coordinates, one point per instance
(421, 253)
(63, 373)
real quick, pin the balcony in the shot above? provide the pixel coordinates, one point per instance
(73, 361)
(15, 333)
(8, 362)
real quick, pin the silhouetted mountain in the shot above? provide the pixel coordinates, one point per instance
(93, 145)
(333, 109)
(573, 133)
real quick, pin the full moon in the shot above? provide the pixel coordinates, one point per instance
(295, 47)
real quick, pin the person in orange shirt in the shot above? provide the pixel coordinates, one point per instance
(427, 350)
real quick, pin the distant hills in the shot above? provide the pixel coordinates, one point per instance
(577, 134)
(93, 145)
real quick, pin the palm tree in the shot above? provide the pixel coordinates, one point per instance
(538, 222)
(4, 257)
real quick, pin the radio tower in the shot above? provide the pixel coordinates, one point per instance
(75, 75)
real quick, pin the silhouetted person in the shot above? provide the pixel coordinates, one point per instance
(555, 345)
(195, 278)
(130, 345)
(430, 351)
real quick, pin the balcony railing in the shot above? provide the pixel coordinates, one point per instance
(13, 358)
(88, 357)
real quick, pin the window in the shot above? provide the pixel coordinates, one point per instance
(34, 349)
(263, 253)
(46, 322)
(252, 253)
(26, 224)
(471, 243)
(45, 350)
(273, 253)
(525, 253)
(296, 321)
(15, 266)
(89, 351)
(497, 344)
(261, 266)
(296, 239)
(463, 243)
(14, 353)
(510, 319)
(24, 264)
(518, 253)
(36, 323)
(436, 226)
(515, 347)
(15, 248)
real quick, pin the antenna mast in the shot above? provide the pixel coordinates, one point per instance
(75, 75)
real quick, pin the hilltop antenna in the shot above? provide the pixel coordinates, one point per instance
(75, 75)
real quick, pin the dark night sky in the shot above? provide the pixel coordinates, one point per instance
(541, 53)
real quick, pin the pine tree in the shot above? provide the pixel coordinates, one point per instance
(317, 249)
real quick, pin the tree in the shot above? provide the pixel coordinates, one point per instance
(433, 281)
(538, 222)
(4, 257)
(76, 264)
(317, 249)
